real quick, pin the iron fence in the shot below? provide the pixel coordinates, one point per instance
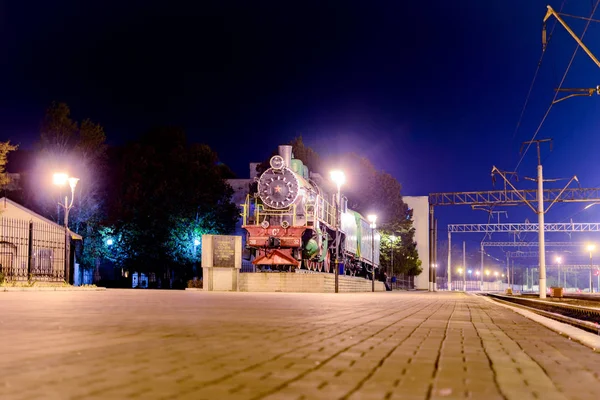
(402, 282)
(32, 250)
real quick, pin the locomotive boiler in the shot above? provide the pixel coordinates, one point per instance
(293, 221)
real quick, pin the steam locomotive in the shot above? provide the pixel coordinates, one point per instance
(294, 219)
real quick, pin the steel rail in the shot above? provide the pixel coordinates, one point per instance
(581, 317)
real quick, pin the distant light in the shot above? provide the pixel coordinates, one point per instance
(558, 260)
(109, 242)
(496, 273)
(477, 273)
(470, 271)
(591, 247)
(196, 242)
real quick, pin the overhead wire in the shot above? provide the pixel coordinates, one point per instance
(559, 87)
(537, 70)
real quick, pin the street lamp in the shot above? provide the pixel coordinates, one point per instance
(372, 219)
(558, 261)
(591, 248)
(339, 178)
(61, 179)
(393, 241)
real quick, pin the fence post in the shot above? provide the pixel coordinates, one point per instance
(29, 250)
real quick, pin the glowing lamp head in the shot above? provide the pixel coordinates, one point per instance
(338, 177)
(460, 270)
(196, 242)
(372, 219)
(496, 273)
(469, 271)
(109, 242)
(487, 273)
(558, 260)
(477, 273)
(591, 247)
(60, 179)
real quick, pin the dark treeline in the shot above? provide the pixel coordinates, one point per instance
(144, 205)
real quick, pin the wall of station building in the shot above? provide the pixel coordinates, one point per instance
(420, 208)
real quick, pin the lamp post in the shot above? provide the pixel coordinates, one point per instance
(372, 218)
(591, 248)
(558, 261)
(61, 179)
(339, 178)
(393, 240)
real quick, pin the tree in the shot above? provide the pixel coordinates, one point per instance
(309, 157)
(5, 148)
(165, 194)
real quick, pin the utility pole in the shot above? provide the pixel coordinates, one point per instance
(464, 266)
(449, 280)
(431, 247)
(481, 271)
(512, 275)
(540, 212)
(435, 264)
(540, 207)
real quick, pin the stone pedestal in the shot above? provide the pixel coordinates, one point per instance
(221, 262)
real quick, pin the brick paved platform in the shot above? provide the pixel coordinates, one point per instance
(193, 345)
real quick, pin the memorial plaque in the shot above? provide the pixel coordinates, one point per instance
(224, 251)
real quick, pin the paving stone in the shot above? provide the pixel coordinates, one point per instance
(194, 345)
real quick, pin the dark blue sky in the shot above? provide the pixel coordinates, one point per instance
(429, 91)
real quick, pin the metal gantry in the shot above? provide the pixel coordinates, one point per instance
(525, 227)
(514, 197)
(532, 244)
(517, 228)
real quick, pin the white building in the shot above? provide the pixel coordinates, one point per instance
(420, 208)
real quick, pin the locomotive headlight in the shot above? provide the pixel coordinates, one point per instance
(285, 224)
(264, 224)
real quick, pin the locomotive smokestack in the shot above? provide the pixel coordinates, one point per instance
(286, 153)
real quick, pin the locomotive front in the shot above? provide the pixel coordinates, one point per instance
(278, 215)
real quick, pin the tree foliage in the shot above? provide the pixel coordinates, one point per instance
(166, 193)
(5, 148)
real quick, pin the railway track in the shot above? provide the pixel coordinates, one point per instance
(586, 318)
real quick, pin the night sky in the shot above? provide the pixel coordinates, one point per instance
(430, 91)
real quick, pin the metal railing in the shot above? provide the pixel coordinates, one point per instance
(254, 212)
(31, 250)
